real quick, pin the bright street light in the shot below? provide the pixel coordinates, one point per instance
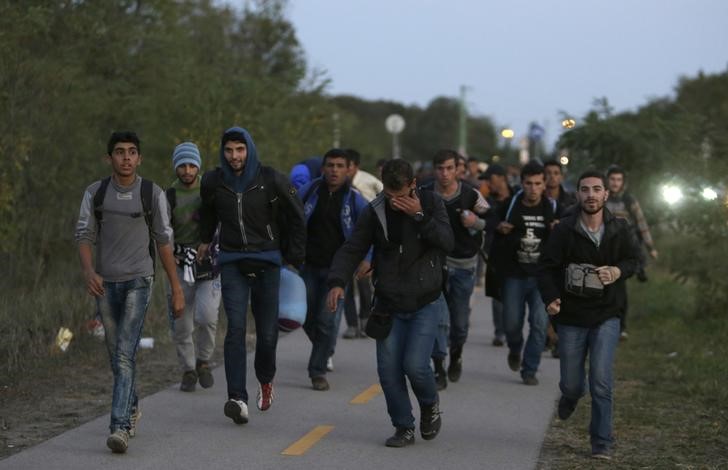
(564, 160)
(568, 123)
(672, 194)
(507, 133)
(709, 194)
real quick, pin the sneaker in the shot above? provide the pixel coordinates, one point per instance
(204, 374)
(402, 437)
(330, 364)
(351, 332)
(236, 410)
(514, 361)
(440, 375)
(530, 380)
(566, 407)
(455, 369)
(136, 415)
(601, 454)
(430, 421)
(320, 383)
(118, 441)
(265, 396)
(189, 381)
(498, 341)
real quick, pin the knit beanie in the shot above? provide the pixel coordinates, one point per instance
(186, 152)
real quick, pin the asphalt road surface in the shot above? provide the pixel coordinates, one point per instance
(490, 419)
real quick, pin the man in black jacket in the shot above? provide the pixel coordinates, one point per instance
(588, 319)
(261, 227)
(466, 209)
(519, 239)
(410, 234)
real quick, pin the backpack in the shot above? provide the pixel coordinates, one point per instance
(147, 194)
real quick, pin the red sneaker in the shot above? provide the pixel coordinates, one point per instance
(265, 396)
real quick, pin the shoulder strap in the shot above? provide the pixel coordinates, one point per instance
(147, 192)
(171, 194)
(99, 199)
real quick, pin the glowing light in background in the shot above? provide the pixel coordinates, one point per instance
(672, 194)
(709, 194)
(507, 133)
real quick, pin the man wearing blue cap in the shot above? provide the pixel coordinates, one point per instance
(194, 332)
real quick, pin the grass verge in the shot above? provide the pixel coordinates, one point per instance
(671, 389)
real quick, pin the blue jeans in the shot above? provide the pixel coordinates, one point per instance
(600, 343)
(123, 308)
(517, 293)
(320, 322)
(460, 285)
(261, 287)
(405, 354)
(497, 307)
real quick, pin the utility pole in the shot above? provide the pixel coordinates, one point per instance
(463, 127)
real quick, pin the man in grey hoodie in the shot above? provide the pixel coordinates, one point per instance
(115, 219)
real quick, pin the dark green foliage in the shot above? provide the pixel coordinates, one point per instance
(681, 140)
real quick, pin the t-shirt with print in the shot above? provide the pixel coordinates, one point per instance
(531, 231)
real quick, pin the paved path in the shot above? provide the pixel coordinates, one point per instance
(490, 419)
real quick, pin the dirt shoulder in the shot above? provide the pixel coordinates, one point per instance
(69, 389)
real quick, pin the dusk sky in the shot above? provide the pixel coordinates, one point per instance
(522, 61)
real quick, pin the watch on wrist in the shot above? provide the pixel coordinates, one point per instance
(419, 216)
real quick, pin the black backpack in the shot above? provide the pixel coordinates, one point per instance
(147, 194)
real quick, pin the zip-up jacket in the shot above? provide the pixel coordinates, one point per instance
(407, 275)
(569, 244)
(257, 212)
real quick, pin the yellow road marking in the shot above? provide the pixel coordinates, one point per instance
(365, 396)
(302, 445)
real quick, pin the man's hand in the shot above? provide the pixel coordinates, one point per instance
(653, 253)
(364, 270)
(468, 218)
(178, 303)
(94, 283)
(410, 205)
(505, 228)
(332, 300)
(554, 307)
(608, 274)
(202, 251)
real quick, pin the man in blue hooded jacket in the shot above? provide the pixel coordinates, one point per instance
(331, 207)
(261, 228)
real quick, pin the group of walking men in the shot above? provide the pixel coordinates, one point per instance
(226, 235)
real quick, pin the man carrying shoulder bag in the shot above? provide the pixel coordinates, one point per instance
(587, 258)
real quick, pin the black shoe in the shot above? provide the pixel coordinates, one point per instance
(530, 380)
(320, 383)
(430, 421)
(189, 381)
(514, 361)
(440, 375)
(204, 375)
(566, 407)
(455, 369)
(402, 437)
(498, 342)
(456, 364)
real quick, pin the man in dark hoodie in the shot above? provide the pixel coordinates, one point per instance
(588, 319)
(519, 239)
(261, 228)
(410, 234)
(332, 207)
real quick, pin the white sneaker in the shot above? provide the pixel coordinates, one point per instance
(236, 410)
(330, 364)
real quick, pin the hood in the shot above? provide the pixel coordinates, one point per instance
(252, 164)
